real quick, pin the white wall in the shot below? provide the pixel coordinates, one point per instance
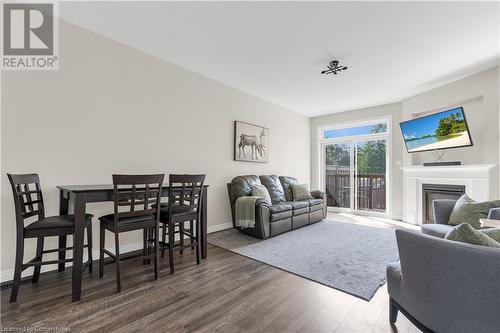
(112, 109)
(389, 110)
(478, 94)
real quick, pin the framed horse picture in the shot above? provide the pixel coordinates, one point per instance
(251, 143)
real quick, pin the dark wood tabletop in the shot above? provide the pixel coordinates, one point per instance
(96, 188)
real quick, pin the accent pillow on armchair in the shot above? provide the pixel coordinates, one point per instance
(469, 211)
(465, 233)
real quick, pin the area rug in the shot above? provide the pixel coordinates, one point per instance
(348, 257)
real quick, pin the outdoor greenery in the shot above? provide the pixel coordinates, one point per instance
(337, 155)
(371, 155)
(453, 124)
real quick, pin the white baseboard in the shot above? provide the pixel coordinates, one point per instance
(219, 227)
(8, 274)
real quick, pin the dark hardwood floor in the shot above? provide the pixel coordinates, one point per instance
(226, 293)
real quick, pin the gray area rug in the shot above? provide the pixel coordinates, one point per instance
(348, 257)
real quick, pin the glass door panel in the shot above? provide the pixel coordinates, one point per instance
(370, 176)
(338, 170)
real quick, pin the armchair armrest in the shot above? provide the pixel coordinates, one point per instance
(442, 210)
(494, 214)
(394, 279)
(317, 194)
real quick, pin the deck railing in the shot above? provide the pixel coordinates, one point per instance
(370, 190)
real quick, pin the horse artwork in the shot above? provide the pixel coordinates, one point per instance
(250, 143)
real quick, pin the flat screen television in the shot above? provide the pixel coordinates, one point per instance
(442, 130)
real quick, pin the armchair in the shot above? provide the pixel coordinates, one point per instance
(444, 286)
(442, 211)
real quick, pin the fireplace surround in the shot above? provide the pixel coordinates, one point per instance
(477, 181)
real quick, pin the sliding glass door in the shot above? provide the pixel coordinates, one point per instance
(355, 168)
(338, 172)
(370, 175)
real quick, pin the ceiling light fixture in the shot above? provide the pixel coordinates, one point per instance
(333, 67)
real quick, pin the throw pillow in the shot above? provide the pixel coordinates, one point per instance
(300, 192)
(470, 211)
(465, 233)
(492, 233)
(261, 192)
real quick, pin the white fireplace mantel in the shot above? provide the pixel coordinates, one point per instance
(475, 178)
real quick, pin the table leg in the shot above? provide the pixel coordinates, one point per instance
(204, 225)
(80, 200)
(63, 210)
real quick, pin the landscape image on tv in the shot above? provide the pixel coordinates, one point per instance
(447, 129)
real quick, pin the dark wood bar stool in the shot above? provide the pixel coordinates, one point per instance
(131, 192)
(184, 205)
(28, 202)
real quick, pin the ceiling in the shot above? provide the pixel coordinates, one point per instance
(276, 50)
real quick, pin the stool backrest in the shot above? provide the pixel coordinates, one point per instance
(185, 196)
(137, 193)
(28, 199)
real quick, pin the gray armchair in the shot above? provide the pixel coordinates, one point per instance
(442, 211)
(445, 286)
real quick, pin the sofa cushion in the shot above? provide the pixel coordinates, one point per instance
(281, 215)
(274, 187)
(286, 182)
(315, 202)
(465, 233)
(469, 211)
(297, 204)
(280, 211)
(242, 186)
(299, 207)
(260, 191)
(278, 208)
(436, 230)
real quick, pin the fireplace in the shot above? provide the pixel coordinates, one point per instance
(478, 181)
(432, 192)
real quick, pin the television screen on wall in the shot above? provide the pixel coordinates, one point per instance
(442, 130)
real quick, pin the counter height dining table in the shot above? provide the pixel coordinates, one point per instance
(80, 195)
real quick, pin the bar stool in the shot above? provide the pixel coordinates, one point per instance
(184, 205)
(28, 202)
(129, 192)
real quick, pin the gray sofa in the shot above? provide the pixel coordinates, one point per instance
(283, 214)
(445, 286)
(442, 210)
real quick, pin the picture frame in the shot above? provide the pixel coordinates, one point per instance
(251, 143)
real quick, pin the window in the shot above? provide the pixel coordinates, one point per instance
(354, 131)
